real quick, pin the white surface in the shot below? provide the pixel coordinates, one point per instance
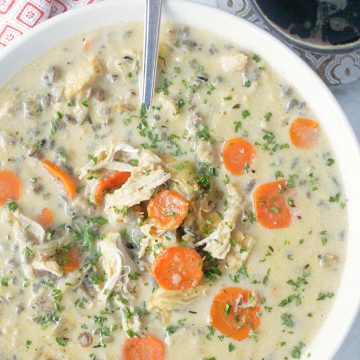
(282, 60)
(349, 98)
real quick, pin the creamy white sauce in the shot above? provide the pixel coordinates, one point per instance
(231, 100)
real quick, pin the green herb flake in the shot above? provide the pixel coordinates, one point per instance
(267, 116)
(290, 299)
(238, 125)
(164, 86)
(85, 102)
(11, 205)
(297, 350)
(330, 162)
(28, 252)
(245, 113)
(227, 309)
(287, 320)
(247, 83)
(325, 295)
(256, 58)
(62, 341)
(210, 89)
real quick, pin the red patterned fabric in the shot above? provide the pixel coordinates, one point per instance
(18, 16)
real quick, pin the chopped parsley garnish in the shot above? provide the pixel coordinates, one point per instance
(227, 309)
(270, 143)
(210, 89)
(330, 162)
(241, 272)
(11, 205)
(62, 341)
(325, 295)
(164, 86)
(256, 58)
(238, 125)
(245, 113)
(324, 237)
(297, 350)
(291, 298)
(247, 83)
(267, 116)
(336, 199)
(287, 320)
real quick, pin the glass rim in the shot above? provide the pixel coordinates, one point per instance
(301, 44)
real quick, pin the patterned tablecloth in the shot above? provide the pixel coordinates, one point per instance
(19, 16)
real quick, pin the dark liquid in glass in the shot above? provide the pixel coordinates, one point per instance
(332, 22)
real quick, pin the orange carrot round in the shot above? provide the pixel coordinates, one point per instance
(62, 176)
(111, 181)
(237, 154)
(10, 186)
(147, 347)
(69, 260)
(234, 312)
(304, 133)
(270, 205)
(178, 268)
(46, 217)
(168, 209)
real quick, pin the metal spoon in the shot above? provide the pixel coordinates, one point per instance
(151, 47)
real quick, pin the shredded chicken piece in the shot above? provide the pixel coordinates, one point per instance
(233, 63)
(116, 264)
(240, 250)
(26, 229)
(218, 242)
(83, 77)
(156, 242)
(164, 301)
(130, 324)
(43, 264)
(116, 157)
(146, 175)
(49, 248)
(29, 233)
(139, 187)
(203, 149)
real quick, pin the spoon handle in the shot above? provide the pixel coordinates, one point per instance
(151, 45)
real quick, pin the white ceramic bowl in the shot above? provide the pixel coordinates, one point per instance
(284, 61)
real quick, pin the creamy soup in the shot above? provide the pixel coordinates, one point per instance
(210, 227)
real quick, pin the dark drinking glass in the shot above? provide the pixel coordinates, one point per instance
(314, 24)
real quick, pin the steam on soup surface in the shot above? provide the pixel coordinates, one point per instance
(216, 219)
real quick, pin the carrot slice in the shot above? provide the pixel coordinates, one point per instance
(304, 133)
(168, 209)
(112, 181)
(148, 347)
(270, 205)
(237, 154)
(69, 259)
(60, 175)
(234, 312)
(178, 268)
(46, 217)
(10, 186)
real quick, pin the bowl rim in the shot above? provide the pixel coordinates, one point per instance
(327, 340)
